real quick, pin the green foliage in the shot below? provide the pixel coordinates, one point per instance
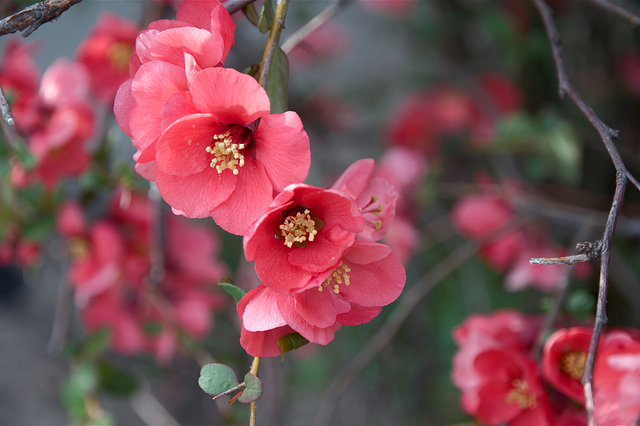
(291, 341)
(278, 82)
(236, 292)
(252, 390)
(116, 381)
(217, 378)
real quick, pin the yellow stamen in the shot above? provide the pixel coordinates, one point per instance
(298, 228)
(521, 395)
(338, 276)
(119, 54)
(573, 363)
(226, 153)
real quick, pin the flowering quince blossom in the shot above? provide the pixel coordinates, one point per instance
(375, 197)
(316, 276)
(105, 53)
(57, 123)
(616, 375)
(507, 335)
(205, 133)
(111, 269)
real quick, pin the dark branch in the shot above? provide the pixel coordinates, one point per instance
(623, 177)
(619, 10)
(30, 18)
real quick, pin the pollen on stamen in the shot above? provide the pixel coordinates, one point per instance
(298, 229)
(226, 153)
(338, 276)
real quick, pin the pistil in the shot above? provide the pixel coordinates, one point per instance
(227, 154)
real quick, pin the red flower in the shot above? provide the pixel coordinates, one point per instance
(105, 53)
(564, 359)
(368, 277)
(507, 329)
(313, 227)
(511, 390)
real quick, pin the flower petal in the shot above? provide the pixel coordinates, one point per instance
(232, 97)
(282, 146)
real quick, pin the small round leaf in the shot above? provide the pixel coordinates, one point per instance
(252, 390)
(217, 378)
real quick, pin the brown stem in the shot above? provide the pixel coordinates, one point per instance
(31, 17)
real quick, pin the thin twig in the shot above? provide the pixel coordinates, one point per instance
(603, 285)
(31, 17)
(409, 300)
(255, 367)
(8, 124)
(272, 42)
(622, 178)
(315, 23)
(618, 10)
(558, 298)
(237, 388)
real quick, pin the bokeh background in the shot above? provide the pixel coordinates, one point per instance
(350, 83)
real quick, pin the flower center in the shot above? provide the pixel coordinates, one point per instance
(227, 149)
(338, 276)
(521, 395)
(573, 363)
(371, 212)
(298, 229)
(119, 54)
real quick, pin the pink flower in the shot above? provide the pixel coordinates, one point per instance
(327, 41)
(617, 380)
(313, 227)
(58, 123)
(229, 156)
(375, 197)
(105, 53)
(368, 277)
(394, 7)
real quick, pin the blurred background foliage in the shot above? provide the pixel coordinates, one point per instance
(348, 96)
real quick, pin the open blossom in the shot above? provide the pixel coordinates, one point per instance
(375, 196)
(368, 277)
(105, 53)
(301, 238)
(316, 275)
(205, 133)
(505, 330)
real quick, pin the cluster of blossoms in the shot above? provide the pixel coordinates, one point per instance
(489, 218)
(502, 382)
(205, 134)
(113, 277)
(55, 114)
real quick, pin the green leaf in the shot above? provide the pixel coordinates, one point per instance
(253, 389)
(265, 19)
(217, 378)
(278, 82)
(116, 381)
(236, 292)
(95, 344)
(291, 341)
(82, 380)
(25, 156)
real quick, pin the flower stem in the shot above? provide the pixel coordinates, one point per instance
(255, 366)
(272, 41)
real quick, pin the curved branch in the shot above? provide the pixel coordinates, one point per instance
(30, 18)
